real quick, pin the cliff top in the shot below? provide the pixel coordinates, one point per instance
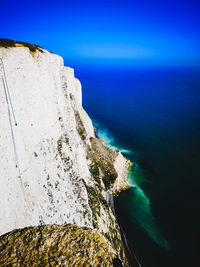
(11, 43)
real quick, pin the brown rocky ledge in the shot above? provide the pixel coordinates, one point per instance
(55, 245)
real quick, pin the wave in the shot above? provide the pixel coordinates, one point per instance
(108, 139)
(139, 203)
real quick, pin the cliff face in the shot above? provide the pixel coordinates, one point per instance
(53, 170)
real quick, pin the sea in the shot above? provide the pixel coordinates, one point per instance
(152, 115)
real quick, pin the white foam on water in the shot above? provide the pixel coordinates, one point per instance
(108, 139)
(140, 203)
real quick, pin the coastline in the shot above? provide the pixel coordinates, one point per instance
(151, 125)
(122, 167)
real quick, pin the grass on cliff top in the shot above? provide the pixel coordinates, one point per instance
(11, 43)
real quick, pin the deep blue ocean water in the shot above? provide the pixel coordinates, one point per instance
(153, 115)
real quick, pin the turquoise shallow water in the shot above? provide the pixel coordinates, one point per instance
(154, 117)
(140, 204)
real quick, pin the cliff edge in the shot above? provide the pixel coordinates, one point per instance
(53, 170)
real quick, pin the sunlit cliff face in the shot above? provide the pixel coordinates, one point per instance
(53, 169)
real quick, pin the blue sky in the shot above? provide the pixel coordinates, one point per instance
(137, 32)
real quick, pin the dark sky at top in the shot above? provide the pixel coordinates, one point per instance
(133, 32)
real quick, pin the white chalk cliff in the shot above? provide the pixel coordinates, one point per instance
(50, 162)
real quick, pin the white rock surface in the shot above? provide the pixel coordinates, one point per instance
(52, 157)
(52, 191)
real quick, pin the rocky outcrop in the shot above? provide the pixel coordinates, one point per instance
(55, 245)
(53, 168)
(112, 165)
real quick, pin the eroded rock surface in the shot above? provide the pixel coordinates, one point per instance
(60, 173)
(55, 245)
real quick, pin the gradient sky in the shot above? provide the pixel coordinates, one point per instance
(133, 32)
